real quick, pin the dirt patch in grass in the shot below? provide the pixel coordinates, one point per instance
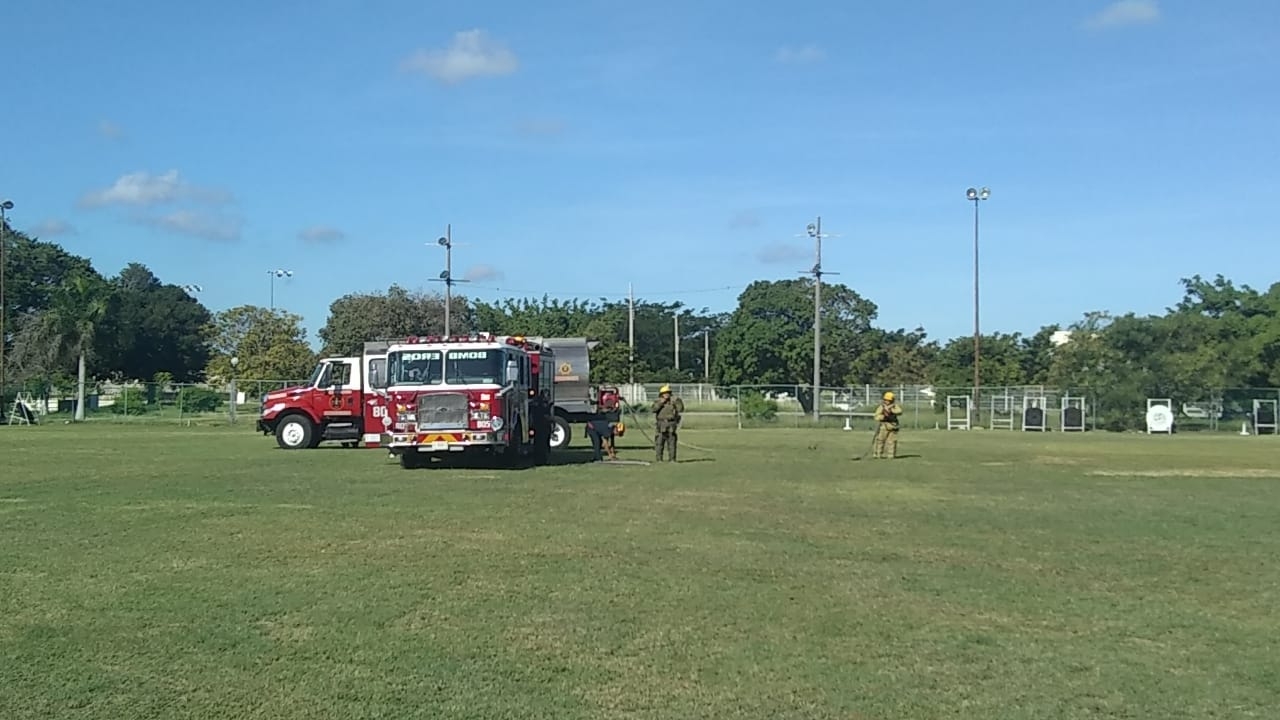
(1190, 473)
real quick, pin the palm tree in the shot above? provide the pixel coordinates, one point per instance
(70, 322)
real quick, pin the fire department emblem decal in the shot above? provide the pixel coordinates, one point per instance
(565, 368)
(335, 401)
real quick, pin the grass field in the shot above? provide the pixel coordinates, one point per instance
(155, 571)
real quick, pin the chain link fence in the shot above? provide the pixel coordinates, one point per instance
(146, 402)
(707, 406)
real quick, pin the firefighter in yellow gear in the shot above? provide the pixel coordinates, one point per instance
(887, 419)
(667, 411)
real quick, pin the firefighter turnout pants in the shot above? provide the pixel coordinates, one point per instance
(665, 438)
(886, 445)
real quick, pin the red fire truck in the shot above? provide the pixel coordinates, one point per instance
(467, 395)
(343, 401)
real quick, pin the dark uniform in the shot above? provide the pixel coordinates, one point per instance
(602, 431)
(667, 412)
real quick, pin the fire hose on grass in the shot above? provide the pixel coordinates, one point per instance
(631, 409)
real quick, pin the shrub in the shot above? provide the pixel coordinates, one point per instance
(133, 401)
(755, 406)
(198, 399)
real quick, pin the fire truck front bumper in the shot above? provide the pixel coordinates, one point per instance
(440, 442)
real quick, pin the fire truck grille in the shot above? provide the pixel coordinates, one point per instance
(442, 411)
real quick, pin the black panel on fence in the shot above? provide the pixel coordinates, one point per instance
(1266, 416)
(1033, 417)
(1073, 419)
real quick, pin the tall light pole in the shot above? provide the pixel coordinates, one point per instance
(976, 196)
(277, 274)
(5, 206)
(815, 232)
(446, 277)
(234, 362)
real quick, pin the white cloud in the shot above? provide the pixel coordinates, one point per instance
(480, 273)
(472, 54)
(144, 189)
(1126, 12)
(220, 228)
(52, 228)
(322, 235)
(799, 56)
(782, 253)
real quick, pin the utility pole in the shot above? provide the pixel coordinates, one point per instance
(5, 206)
(446, 277)
(706, 354)
(815, 232)
(676, 318)
(631, 335)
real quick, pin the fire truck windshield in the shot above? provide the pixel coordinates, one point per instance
(315, 374)
(414, 367)
(474, 367)
(481, 366)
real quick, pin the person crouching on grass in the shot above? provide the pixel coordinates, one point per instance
(603, 430)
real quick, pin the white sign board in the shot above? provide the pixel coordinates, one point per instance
(1159, 419)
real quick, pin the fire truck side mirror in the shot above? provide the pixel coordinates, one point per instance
(513, 372)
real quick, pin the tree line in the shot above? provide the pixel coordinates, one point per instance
(66, 323)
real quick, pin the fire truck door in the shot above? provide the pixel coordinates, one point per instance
(375, 405)
(343, 391)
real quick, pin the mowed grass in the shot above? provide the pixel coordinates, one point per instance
(168, 572)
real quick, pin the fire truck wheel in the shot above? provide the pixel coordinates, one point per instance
(560, 434)
(294, 432)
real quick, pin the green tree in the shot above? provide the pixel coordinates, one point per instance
(152, 328)
(358, 318)
(270, 345)
(768, 339)
(68, 327)
(901, 358)
(1002, 361)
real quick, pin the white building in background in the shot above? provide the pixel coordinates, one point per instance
(1060, 337)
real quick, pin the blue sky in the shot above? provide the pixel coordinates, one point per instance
(577, 147)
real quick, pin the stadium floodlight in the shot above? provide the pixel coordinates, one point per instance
(273, 274)
(976, 196)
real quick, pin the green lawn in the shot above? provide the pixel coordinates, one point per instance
(155, 571)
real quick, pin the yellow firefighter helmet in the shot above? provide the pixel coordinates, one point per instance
(619, 429)
(664, 389)
(889, 396)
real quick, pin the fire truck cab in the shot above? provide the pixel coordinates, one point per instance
(478, 394)
(343, 402)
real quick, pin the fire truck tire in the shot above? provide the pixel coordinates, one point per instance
(560, 434)
(412, 460)
(295, 432)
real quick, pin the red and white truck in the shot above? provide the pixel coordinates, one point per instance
(344, 401)
(478, 394)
